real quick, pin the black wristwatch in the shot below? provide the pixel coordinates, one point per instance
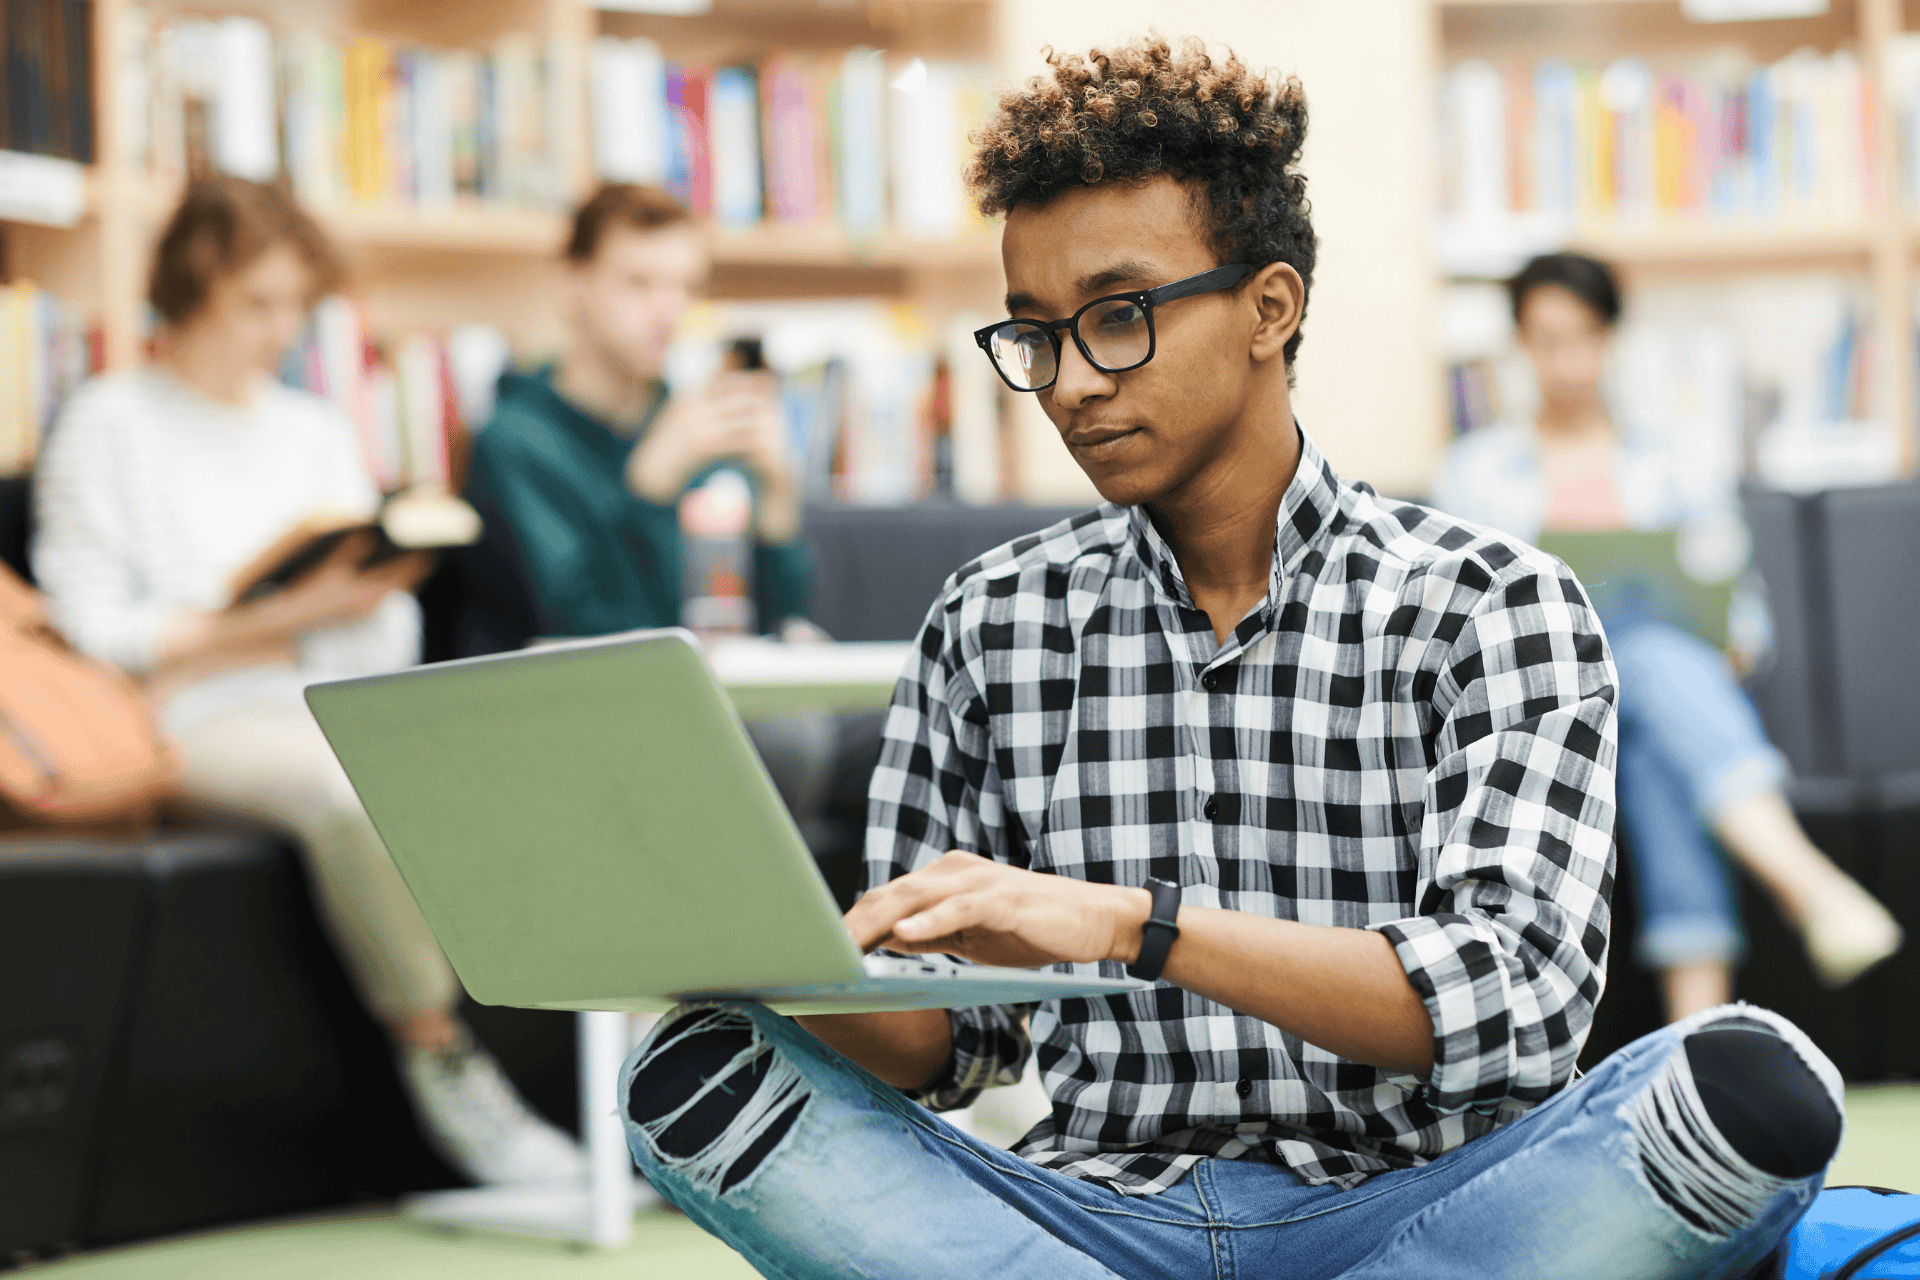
(1158, 933)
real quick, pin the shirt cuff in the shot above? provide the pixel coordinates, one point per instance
(987, 1051)
(1453, 962)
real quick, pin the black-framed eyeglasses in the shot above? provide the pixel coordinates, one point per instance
(1114, 333)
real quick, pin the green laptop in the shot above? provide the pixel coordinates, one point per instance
(1615, 565)
(587, 826)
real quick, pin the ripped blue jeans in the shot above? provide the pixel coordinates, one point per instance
(1620, 1177)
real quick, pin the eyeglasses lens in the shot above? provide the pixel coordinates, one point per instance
(1024, 353)
(1116, 334)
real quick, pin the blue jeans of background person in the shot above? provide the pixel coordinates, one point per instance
(1690, 743)
(866, 1183)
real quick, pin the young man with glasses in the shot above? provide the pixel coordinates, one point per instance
(1335, 773)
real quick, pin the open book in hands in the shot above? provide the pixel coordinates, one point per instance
(416, 520)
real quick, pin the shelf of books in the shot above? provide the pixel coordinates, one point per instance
(1745, 159)
(820, 142)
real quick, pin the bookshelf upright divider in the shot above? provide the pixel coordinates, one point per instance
(1880, 21)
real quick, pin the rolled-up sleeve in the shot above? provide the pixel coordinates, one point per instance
(1508, 950)
(935, 790)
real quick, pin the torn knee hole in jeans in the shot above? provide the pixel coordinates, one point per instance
(1716, 1179)
(713, 1097)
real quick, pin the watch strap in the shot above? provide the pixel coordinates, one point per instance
(1158, 933)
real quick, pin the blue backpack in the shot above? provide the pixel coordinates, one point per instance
(1851, 1233)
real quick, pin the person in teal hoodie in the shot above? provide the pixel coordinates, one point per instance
(579, 473)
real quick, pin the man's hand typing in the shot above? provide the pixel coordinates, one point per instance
(991, 913)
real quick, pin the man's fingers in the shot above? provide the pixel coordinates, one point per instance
(951, 915)
(873, 917)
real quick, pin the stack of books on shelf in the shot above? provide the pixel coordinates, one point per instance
(46, 107)
(45, 352)
(859, 140)
(1548, 146)
(412, 400)
(364, 122)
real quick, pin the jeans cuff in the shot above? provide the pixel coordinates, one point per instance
(1689, 939)
(1750, 775)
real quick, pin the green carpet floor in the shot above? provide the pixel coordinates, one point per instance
(1882, 1149)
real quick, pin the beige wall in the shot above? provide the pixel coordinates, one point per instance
(1370, 386)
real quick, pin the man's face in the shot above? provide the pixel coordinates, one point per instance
(628, 299)
(1142, 434)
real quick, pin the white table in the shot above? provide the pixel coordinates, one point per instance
(763, 677)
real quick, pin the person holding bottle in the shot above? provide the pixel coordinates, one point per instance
(583, 466)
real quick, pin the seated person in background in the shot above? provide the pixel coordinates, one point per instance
(1337, 772)
(160, 484)
(585, 461)
(1695, 762)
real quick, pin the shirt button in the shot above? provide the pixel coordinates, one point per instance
(1211, 809)
(1210, 681)
(1244, 1088)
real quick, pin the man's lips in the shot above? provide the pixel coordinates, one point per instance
(1093, 437)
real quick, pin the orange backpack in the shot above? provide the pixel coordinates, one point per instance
(78, 745)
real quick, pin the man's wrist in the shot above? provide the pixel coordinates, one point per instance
(652, 472)
(776, 517)
(1132, 909)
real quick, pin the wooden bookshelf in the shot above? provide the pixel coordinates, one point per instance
(99, 266)
(1881, 246)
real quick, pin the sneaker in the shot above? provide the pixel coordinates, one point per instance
(1848, 932)
(477, 1121)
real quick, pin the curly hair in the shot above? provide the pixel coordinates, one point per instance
(1147, 108)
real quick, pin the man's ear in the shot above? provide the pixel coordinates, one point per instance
(1280, 297)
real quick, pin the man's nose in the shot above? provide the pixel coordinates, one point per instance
(1078, 381)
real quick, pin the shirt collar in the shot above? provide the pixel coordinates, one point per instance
(1309, 508)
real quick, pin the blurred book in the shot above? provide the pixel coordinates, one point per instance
(627, 112)
(45, 352)
(418, 520)
(46, 47)
(735, 129)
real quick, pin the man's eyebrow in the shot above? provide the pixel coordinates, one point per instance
(1118, 273)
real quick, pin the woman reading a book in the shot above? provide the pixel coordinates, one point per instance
(1695, 763)
(164, 494)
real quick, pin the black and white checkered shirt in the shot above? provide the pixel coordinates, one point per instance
(1413, 733)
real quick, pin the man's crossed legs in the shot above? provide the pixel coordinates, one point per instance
(1688, 1153)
